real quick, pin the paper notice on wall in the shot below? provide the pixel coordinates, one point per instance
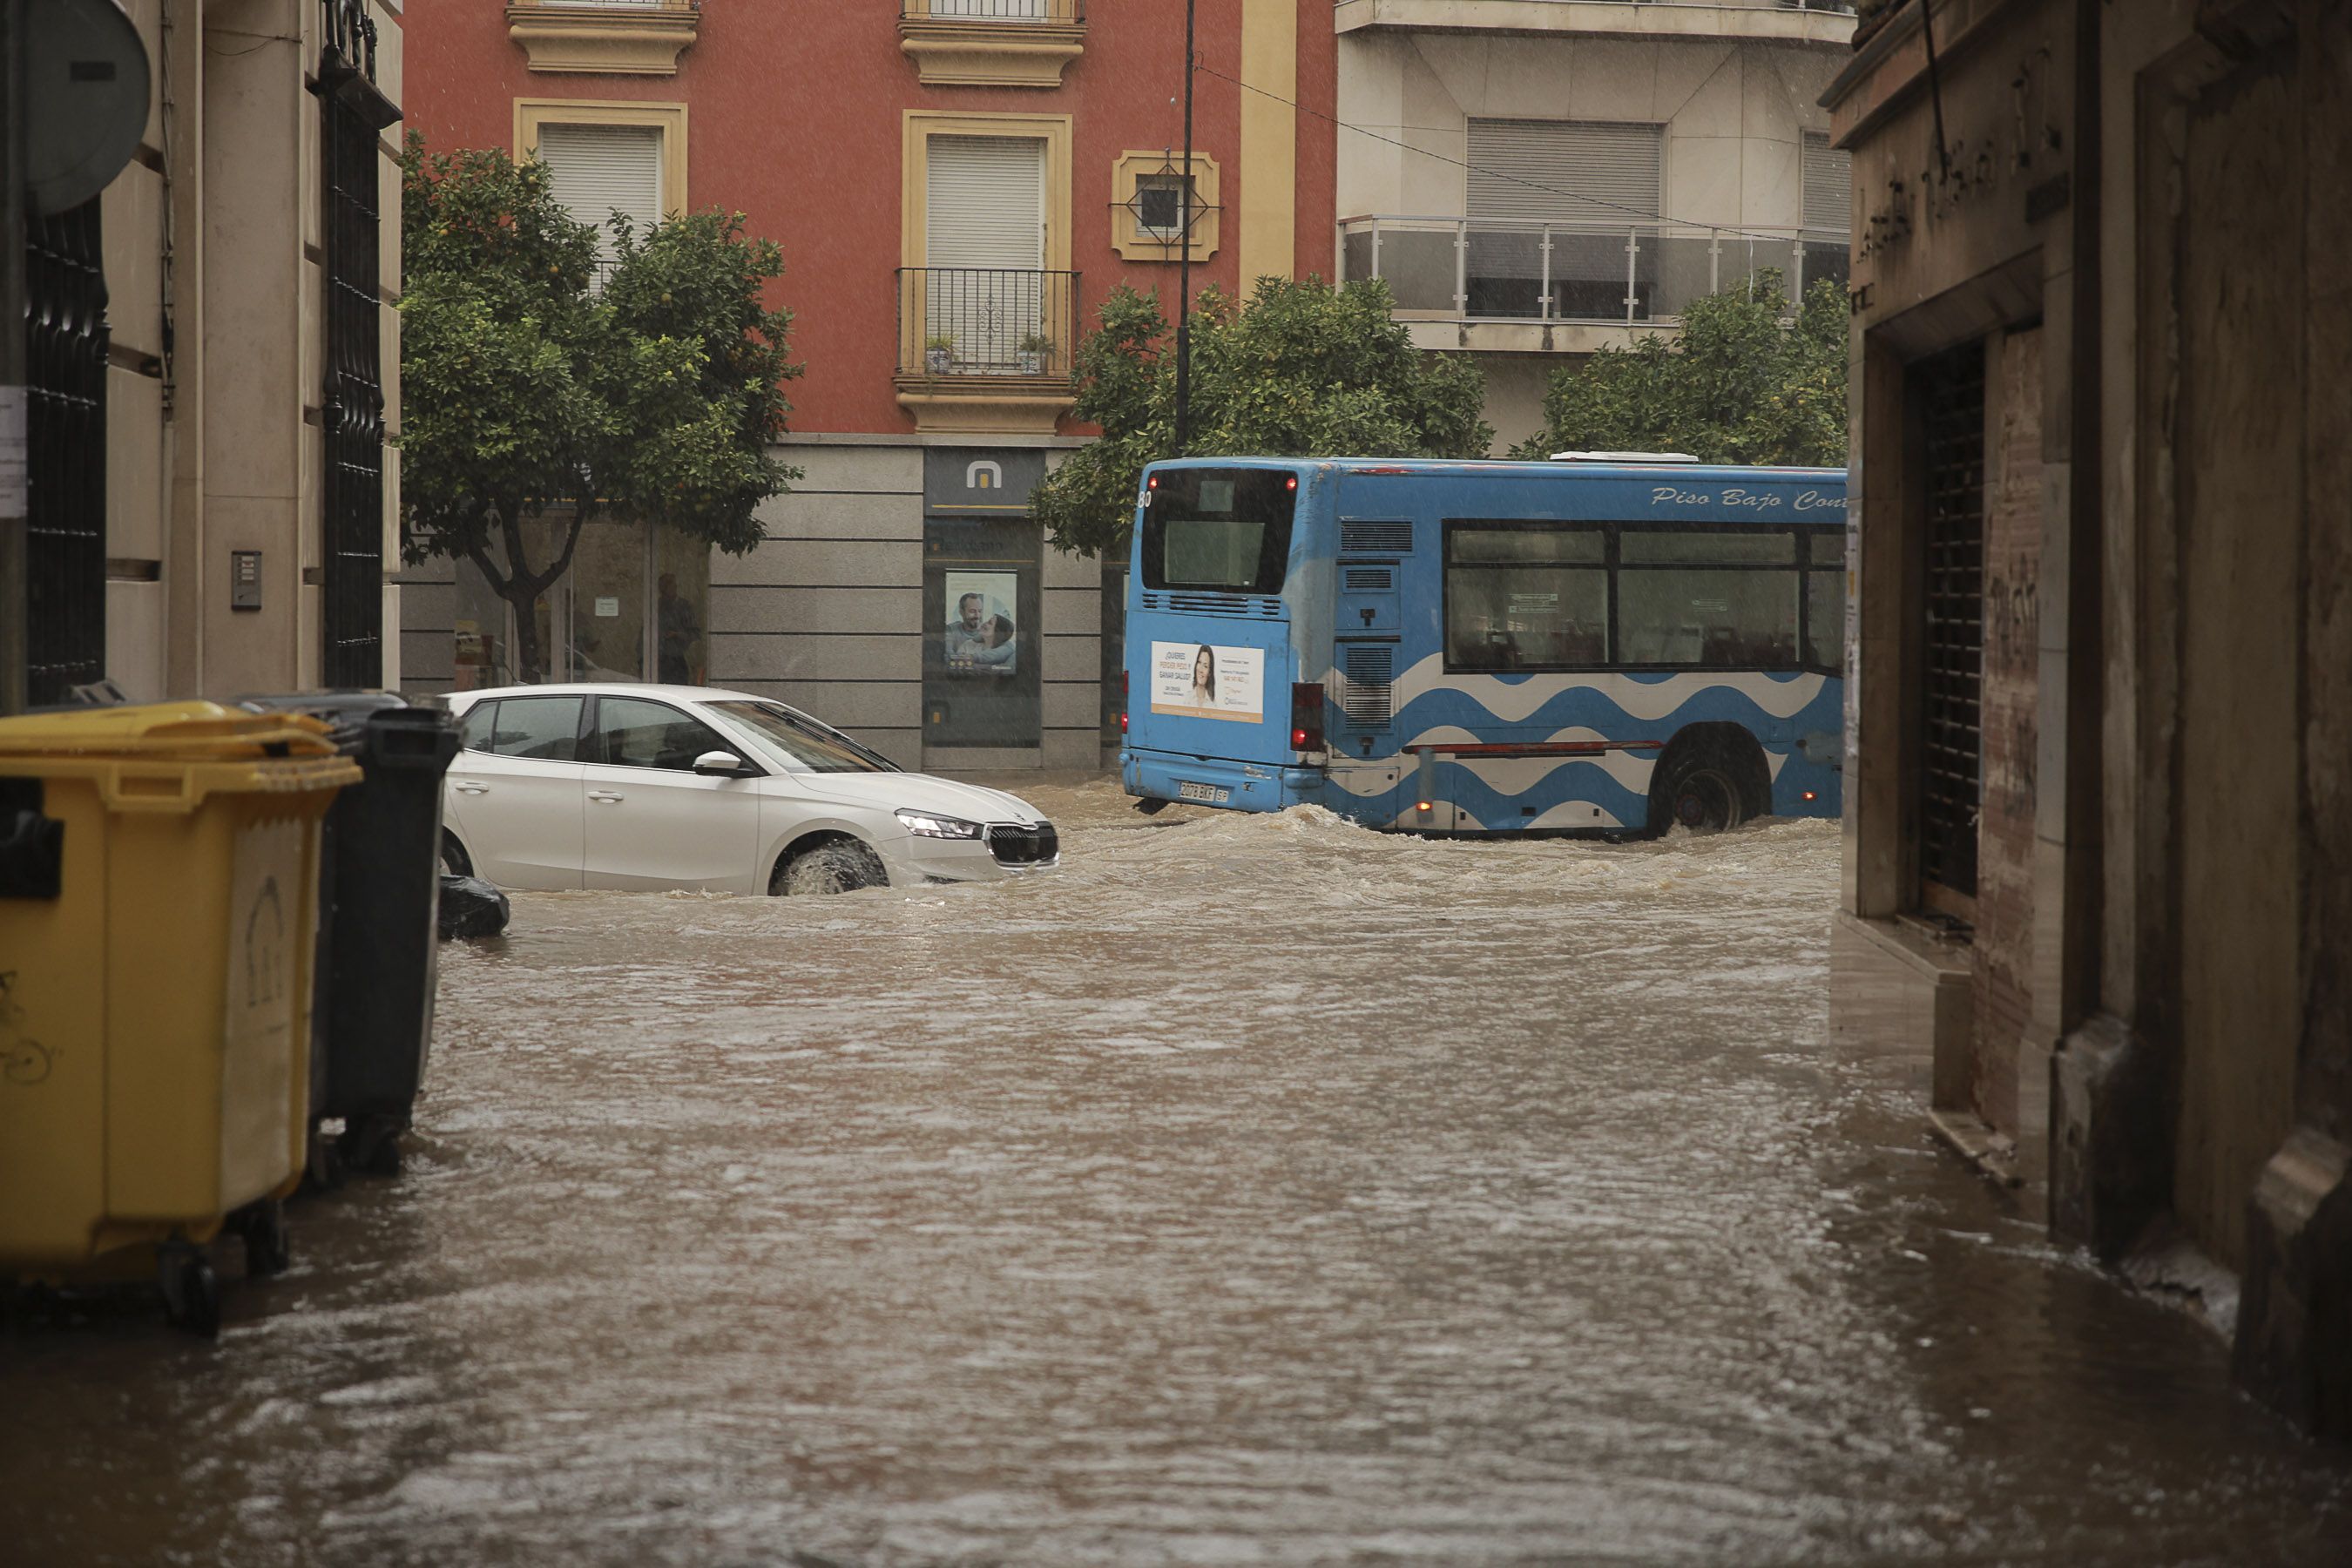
(1853, 664)
(12, 452)
(608, 607)
(1207, 681)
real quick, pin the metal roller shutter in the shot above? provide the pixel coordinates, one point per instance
(1565, 171)
(597, 170)
(1951, 388)
(1829, 186)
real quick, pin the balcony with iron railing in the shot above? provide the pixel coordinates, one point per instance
(605, 37)
(1762, 21)
(991, 42)
(1529, 287)
(986, 348)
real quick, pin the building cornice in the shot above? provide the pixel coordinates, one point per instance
(604, 40)
(956, 52)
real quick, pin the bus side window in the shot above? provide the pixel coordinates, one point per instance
(1525, 596)
(1709, 598)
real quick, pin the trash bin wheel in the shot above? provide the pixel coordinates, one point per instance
(370, 1145)
(262, 1227)
(190, 1290)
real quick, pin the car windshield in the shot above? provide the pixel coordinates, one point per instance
(812, 747)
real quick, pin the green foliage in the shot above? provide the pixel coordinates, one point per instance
(528, 390)
(1300, 369)
(1740, 383)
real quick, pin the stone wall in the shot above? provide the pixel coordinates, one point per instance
(2005, 837)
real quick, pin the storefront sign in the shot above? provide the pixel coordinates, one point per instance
(976, 482)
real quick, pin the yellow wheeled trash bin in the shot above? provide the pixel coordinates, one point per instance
(159, 875)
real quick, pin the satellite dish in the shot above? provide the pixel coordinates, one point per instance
(86, 88)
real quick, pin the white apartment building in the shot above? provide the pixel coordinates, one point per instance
(1538, 178)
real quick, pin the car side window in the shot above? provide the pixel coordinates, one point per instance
(636, 733)
(543, 729)
(480, 721)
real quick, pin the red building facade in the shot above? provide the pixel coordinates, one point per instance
(957, 184)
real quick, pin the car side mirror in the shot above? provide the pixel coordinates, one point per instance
(722, 765)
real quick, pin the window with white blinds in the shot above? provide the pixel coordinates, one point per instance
(985, 243)
(1829, 186)
(1566, 171)
(597, 170)
(986, 202)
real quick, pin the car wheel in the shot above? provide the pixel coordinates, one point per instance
(454, 859)
(829, 865)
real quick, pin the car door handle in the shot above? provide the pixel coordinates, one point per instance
(473, 789)
(606, 795)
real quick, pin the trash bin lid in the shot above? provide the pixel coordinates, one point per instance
(350, 706)
(190, 731)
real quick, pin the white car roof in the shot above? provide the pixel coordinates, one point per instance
(458, 700)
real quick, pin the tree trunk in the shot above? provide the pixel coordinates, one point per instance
(529, 657)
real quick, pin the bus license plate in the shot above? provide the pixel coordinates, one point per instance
(1208, 795)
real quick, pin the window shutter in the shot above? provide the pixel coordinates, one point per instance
(1829, 186)
(595, 170)
(986, 202)
(1565, 171)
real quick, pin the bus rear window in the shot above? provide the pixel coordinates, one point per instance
(1219, 531)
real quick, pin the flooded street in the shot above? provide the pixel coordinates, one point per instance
(1252, 1190)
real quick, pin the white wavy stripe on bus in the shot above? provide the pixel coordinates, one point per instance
(1575, 814)
(1631, 771)
(1644, 700)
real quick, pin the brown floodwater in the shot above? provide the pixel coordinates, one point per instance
(1251, 1190)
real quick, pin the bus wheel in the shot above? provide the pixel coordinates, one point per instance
(1706, 786)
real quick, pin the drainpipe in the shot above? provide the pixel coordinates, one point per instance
(14, 586)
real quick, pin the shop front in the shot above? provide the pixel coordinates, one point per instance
(634, 606)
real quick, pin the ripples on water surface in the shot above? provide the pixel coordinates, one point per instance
(1252, 1190)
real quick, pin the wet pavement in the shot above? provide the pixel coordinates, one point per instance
(1249, 1191)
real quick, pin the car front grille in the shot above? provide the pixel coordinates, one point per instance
(1017, 846)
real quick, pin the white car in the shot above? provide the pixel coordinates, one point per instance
(685, 786)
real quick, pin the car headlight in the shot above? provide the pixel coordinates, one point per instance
(925, 824)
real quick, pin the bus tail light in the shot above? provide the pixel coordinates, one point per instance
(1306, 717)
(1124, 679)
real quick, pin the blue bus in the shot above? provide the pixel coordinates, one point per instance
(1488, 647)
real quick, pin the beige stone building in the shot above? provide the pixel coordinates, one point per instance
(2100, 724)
(1537, 179)
(214, 368)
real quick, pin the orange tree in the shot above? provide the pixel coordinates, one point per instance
(536, 385)
(1745, 380)
(1299, 369)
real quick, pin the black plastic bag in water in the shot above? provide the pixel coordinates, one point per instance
(470, 908)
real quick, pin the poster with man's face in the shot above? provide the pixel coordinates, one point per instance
(1208, 680)
(981, 637)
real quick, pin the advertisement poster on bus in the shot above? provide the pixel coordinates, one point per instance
(1202, 680)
